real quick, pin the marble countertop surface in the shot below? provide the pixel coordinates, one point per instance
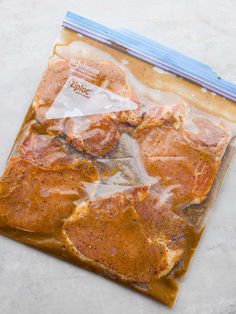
(32, 282)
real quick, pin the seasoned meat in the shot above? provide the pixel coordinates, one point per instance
(156, 218)
(41, 182)
(95, 135)
(131, 117)
(112, 232)
(184, 161)
(211, 138)
(52, 82)
(167, 116)
(49, 152)
(51, 126)
(35, 199)
(110, 77)
(44, 150)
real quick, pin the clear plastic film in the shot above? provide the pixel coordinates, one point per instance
(118, 161)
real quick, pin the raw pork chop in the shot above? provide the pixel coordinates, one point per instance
(104, 131)
(127, 234)
(40, 184)
(186, 162)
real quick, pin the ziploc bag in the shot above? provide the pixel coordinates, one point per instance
(119, 158)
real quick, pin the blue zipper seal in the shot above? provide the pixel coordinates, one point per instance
(153, 53)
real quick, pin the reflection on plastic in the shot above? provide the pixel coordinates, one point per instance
(81, 98)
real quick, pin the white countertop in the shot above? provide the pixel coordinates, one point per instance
(32, 282)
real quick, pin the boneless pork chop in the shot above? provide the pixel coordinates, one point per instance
(127, 234)
(185, 161)
(41, 183)
(101, 128)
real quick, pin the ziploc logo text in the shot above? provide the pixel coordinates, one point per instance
(81, 88)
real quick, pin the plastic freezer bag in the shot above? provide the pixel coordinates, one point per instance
(118, 161)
